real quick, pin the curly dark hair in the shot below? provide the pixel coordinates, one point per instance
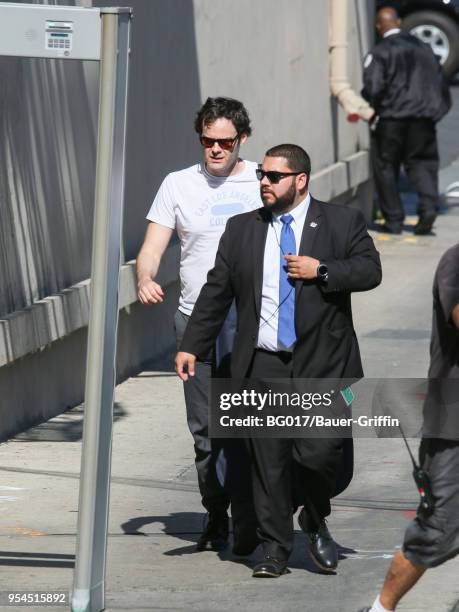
(227, 108)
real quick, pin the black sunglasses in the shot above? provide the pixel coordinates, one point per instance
(224, 143)
(273, 176)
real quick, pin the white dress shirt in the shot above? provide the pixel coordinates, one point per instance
(269, 314)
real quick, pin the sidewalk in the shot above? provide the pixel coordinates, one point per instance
(156, 516)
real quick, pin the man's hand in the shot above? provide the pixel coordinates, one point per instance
(455, 316)
(184, 364)
(301, 267)
(149, 292)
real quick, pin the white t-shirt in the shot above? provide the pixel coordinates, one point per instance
(198, 205)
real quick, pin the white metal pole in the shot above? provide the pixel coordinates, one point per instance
(89, 579)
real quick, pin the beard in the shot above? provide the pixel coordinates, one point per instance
(282, 203)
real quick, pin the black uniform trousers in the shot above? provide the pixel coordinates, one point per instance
(289, 472)
(413, 143)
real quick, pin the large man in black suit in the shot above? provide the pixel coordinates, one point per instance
(291, 267)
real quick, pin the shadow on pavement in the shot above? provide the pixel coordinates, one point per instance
(27, 559)
(184, 525)
(188, 526)
(67, 427)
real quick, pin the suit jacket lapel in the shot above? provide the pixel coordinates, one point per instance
(260, 232)
(310, 230)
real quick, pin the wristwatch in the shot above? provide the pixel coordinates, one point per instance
(322, 272)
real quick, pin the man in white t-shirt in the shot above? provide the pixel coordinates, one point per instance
(197, 202)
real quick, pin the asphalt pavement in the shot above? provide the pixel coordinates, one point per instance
(155, 511)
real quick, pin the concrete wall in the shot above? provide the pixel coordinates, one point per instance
(272, 56)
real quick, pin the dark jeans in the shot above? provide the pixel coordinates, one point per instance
(196, 389)
(413, 143)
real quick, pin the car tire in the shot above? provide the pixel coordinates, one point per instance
(449, 29)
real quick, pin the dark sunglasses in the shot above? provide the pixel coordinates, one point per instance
(273, 176)
(224, 143)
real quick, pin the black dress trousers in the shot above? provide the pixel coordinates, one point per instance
(289, 472)
(413, 143)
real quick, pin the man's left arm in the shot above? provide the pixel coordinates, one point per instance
(359, 270)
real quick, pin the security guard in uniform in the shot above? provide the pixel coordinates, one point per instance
(404, 83)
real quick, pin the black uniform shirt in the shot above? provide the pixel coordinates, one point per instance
(403, 80)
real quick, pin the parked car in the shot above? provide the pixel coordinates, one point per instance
(436, 22)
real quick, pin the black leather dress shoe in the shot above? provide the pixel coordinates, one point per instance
(215, 535)
(424, 226)
(269, 568)
(245, 541)
(322, 547)
(390, 229)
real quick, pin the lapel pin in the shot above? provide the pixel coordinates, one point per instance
(313, 224)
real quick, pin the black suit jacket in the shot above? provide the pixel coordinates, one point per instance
(326, 345)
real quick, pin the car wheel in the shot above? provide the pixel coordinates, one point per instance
(440, 32)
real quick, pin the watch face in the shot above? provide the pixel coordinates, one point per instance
(322, 270)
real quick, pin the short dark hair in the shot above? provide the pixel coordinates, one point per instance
(227, 108)
(297, 158)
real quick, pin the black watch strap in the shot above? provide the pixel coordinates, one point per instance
(322, 272)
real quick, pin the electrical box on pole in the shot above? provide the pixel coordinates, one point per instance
(98, 34)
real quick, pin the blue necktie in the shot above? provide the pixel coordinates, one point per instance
(286, 326)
